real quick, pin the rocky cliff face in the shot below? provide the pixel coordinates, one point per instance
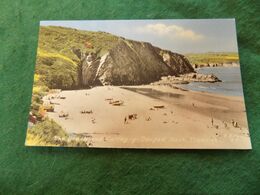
(71, 59)
(131, 63)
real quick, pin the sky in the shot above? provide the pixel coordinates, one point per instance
(182, 36)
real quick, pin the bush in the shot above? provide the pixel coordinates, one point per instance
(62, 74)
(47, 130)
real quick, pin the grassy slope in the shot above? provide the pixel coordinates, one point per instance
(60, 40)
(49, 133)
(212, 57)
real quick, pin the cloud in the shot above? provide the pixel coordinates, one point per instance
(173, 31)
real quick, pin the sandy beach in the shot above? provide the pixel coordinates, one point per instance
(188, 120)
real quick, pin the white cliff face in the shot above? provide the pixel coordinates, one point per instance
(166, 57)
(102, 61)
(89, 67)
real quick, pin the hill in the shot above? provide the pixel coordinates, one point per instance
(70, 58)
(213, 58)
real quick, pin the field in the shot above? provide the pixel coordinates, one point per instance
(212, 57)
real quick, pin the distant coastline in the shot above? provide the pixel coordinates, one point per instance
(214, 59)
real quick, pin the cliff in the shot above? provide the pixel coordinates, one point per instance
(132, 63)
(99, 58)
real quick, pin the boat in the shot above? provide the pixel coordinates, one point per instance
(159, 106)
(117, 102)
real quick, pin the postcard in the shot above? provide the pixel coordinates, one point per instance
(170, 84)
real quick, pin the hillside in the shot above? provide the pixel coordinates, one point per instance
(69, 58)
(213, 58)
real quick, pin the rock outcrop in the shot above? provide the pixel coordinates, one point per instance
(194, 77)
(131, 63)
(187, 78)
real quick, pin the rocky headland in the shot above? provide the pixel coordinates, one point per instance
(130, 63)
(186, 79)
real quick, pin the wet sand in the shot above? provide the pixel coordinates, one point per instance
(188, 120)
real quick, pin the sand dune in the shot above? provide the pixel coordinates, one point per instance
(188, 119)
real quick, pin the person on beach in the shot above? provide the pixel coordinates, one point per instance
(125, 121)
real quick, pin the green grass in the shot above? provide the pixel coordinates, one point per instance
(212, 57)
(61, 40)
(49, 133)
(46, 131)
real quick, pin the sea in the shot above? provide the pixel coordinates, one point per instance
(231, 84)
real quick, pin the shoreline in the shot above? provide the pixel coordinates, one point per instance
(203, 100)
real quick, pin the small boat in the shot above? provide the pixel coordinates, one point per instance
(159, 106)
(117, 103)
